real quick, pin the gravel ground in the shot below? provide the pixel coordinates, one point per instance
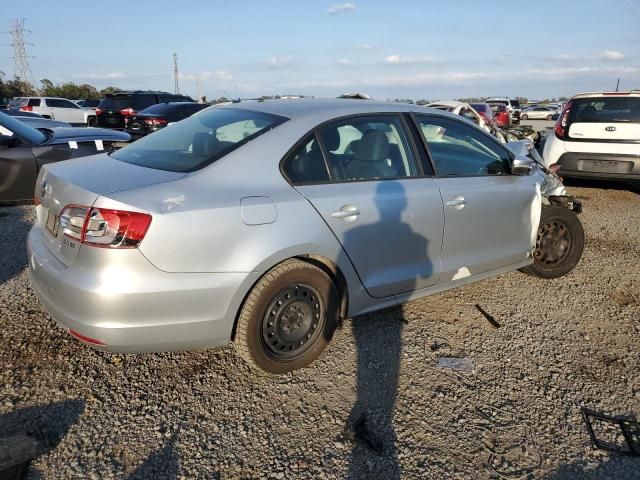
(560, 345)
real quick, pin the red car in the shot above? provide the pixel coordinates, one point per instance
(484, 109)
(501, 114)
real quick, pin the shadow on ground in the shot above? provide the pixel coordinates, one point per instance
(14, 228)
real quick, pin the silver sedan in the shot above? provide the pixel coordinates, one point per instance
(266, 223)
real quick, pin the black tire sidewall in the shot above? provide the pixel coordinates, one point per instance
(311, 276)
(572, 221)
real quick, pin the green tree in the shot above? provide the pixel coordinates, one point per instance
(106, 90)
(16, 88)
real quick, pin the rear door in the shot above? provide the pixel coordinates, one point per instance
(490, 215)
(66, 111)
(367, 183)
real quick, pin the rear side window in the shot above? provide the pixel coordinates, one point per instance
(60, 103)
(306, 164)
(198, 140)
(457, 149)
(605, 110)
(34, 102)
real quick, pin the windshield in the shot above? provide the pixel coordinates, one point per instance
(199, 140)
(11, 126)
(605, 110)
(515, 103)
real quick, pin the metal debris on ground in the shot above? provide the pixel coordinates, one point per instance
(494, 323)
(613, 434)
(456, 363)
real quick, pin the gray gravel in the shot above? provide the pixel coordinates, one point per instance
(561, 344)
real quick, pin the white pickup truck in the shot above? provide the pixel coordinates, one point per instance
(56, 109)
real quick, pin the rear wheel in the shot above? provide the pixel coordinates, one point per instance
(559, 243)
(549, 117)
(524, 117)
(288, 318)
(91, 122)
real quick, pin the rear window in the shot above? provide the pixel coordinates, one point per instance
(136, 101)
(515, 103)
(160, 108)
(479, 107)
(199, 140)
(605, 110)
(17, 102)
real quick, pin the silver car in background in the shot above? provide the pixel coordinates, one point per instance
(266, 223)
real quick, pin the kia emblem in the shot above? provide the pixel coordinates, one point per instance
(610, 129)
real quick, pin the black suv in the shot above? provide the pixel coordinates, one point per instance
(115, 107)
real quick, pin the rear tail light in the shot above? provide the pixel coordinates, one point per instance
(27, 108)
(561, 124)
(99, 111)
(155, 123)
(103, 227)
(128, 111)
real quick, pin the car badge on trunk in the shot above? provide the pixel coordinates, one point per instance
(43, 189)
(610, 129)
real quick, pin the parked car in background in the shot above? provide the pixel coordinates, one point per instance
(501, 114)
(463, 109)
(269, 222)
(37, 122)
(55, 109)
(159, 116)
(513, 106)
(484, 110)
(24, 150)
(537, 113)
(115, 107)
(597, 136)
(20, 113)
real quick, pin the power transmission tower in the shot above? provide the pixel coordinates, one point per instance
(176, 87)
(22, 68)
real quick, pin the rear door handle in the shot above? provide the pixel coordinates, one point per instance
(348, 213)
(458, 202)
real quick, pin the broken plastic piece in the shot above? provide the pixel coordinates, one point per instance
(455, 363)
(606, 433)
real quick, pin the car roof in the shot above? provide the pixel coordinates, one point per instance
(631, 93)
(447, 103)
(328, 107)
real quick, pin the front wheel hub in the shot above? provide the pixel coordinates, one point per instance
(553, 243)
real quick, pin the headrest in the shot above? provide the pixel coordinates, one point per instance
(374, 147)
(205, 144)
(331, 138)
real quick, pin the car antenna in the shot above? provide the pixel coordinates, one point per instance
(618, 84)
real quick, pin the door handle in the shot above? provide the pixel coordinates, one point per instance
(347, 213)
(458, 202)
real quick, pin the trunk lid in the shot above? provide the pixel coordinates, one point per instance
(605, 131)
(80, 182)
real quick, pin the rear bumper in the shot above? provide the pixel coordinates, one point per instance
(599, 165)
(132, 306)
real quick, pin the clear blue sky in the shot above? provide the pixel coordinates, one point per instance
(419, 49)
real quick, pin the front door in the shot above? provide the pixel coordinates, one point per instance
(491, 216)
(385, 213)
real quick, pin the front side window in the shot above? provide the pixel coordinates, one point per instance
(306, 164)
(368, 148)
(198, 140)
(457, 149)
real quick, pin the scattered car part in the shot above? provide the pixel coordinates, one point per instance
(629, 429)
(490, 318)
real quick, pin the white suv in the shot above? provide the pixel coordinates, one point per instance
(597, 135)
(55, 109)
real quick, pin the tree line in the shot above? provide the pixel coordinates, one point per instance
(71, 90)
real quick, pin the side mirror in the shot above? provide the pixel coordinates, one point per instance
(555, 116)
(522, 167)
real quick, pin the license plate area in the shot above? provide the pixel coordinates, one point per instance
(52, 223)
(605, 166)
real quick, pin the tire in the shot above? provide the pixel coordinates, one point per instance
(549, 117)
(559, 243)
(524, 117)
(91, 122)
(288, 318)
